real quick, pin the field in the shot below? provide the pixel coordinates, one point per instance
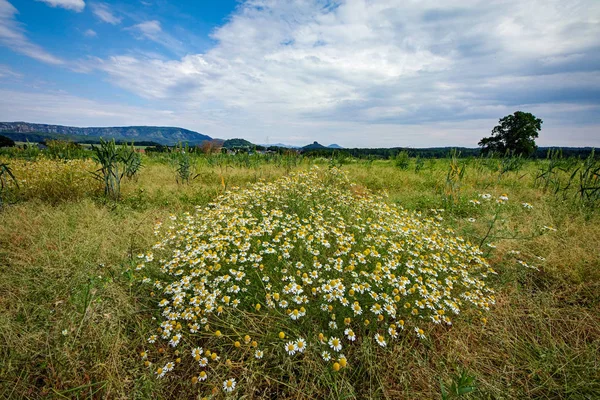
(76, 313)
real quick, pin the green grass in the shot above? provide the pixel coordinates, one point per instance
(64, 266)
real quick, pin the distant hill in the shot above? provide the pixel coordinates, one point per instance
(283, 145)
(231, 143)
(335, 146)
(165, 135)
(314, 146)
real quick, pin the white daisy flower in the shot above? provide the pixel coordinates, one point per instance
(380, 340)
(291, 348)
(335, 343)
(229, 385)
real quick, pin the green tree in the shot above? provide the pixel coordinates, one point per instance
(516, 133)
(6, 142)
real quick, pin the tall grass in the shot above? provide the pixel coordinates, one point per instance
(52, 181)
(588, 182)
(574, 179)
(65, 150)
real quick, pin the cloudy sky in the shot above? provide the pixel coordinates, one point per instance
(364, 73)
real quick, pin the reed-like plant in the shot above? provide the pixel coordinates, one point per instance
(454, 177)
(586, 181)
(185, 168)
(132, 160)
(511, 162)
(548, 175)
(113, 166)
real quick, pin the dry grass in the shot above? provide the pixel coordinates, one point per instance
(64, 267)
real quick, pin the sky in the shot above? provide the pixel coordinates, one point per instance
(359, 73)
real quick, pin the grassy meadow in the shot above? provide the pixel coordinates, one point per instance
(75, 315)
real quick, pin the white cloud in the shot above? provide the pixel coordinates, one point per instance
(90, 33)
(12, 35)
(104, 13)
(75, 5)
(7, 72)
(385, 63)
(365, 73)
(153, 31)
(148, 28)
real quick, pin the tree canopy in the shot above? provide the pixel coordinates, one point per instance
(515, 133)
(6, 142)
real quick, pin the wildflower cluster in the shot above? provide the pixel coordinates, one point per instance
(304, 266)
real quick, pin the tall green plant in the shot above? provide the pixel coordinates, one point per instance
(289, 160)
(511, 162)
(132, 160)
(6, 176)
(461, 384)
(64, 150)
(402, 159)
(456, 172)
(586, 180)
(31, 151)
(112, 162)
(419, 163)
(185, 170)
(548, 175)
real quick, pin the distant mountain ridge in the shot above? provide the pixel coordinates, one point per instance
(165, 135)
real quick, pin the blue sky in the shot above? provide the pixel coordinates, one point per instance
(367, 73)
